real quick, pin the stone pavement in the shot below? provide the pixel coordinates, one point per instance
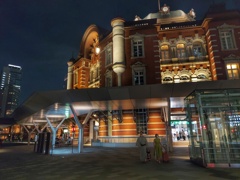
(21, 163)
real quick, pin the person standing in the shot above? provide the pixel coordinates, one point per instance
(157, 148)
(142, 144)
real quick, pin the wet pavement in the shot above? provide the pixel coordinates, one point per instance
(21, 163)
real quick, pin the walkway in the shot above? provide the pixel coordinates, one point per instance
(21, 163)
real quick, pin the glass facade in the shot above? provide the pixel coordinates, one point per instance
(214, 124)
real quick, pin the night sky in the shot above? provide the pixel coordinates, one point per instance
(42, 35)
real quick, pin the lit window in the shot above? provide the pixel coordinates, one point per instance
(226, 37)
(233, 71)
(165, 52)
(181, 51)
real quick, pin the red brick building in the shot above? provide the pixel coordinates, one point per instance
(163, 47)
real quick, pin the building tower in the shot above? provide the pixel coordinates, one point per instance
(10, 89)
(69, 76)
(118, 47)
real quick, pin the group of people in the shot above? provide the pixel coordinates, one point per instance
(158, 148)
(61, 140)
(181, 135)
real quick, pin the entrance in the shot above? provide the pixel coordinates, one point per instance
(180, 131)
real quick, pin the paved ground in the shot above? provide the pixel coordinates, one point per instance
(21, 163)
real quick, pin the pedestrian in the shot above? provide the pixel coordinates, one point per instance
(157, 148)
(183, 135)
(142, 144)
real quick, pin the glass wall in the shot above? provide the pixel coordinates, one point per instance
(214, 124)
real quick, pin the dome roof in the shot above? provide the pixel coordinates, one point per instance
(173, 16)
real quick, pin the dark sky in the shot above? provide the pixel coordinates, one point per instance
(42, 35)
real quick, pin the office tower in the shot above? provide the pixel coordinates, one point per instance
(10, 89)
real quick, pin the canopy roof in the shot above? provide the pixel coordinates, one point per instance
(56, 104)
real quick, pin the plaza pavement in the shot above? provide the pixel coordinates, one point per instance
(19, 162)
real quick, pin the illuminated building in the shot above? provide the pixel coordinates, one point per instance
(135, 78)
(10, 89)
(162, 48)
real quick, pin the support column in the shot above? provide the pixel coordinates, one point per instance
(54, 131)
(80, 127)
(91, 131)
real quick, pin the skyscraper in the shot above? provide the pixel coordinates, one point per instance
(10, 89)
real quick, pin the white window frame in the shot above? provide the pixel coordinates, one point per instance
(138, 42)
(230, 70)
(139, 72)
(181, 52)
(197, 50)
(165, 54)
(138, 77)
(227, 39)
(108, 79)
(108, 55)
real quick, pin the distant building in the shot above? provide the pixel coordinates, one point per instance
(10, 89)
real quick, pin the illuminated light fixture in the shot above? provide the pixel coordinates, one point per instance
(96, 123)
(97, 50)
(55, 116)
(73, 128)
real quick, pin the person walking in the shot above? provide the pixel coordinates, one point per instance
(157, 148)
(142, 144)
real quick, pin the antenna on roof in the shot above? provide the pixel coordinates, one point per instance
(159, 6)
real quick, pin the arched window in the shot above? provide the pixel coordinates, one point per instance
(167, 79)
(181, 52)
(184, 77)
(165, 52)
(197, 49)
(201, 76)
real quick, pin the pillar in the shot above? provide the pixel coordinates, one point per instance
(118, 48)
